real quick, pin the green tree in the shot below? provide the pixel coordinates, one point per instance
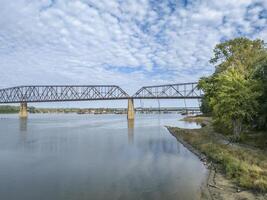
(235, 103)
(240, 53)
(261, 75)
(205, 108)
(208, 85)
(233, 92)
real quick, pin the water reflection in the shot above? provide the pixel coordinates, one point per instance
(130, 131)
(23, 124)
(60, 157)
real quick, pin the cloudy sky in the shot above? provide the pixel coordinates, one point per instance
(127, 43)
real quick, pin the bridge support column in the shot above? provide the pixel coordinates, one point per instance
(23, 110)
(130, 111)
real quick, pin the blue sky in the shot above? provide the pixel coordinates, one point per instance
(127, 43)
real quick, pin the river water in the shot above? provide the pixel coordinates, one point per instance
(56, 157)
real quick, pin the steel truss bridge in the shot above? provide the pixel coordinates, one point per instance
(171, 91)
(54, 93)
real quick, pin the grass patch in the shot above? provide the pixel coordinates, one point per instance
(256, 139)
(245, 166)
(197, 119)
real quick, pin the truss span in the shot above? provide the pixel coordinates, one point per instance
(55, 93)
(170, 91)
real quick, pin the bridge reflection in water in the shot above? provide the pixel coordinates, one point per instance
(130, 131)
(23, 123)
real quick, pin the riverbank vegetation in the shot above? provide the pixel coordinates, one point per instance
(236, 93)
(234, 107)
(9, 109)
(6, 109)
(244, 165)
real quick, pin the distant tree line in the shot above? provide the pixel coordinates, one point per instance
(9, 109)
(5, 109)
(236, 93)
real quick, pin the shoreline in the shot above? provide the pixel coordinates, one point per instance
(205, 193)
(216, 185)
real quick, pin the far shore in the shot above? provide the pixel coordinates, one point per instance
(7, 109)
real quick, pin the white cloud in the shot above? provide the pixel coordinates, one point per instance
(128, 43)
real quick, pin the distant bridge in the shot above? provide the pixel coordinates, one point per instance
(56, 93)
(168, 109)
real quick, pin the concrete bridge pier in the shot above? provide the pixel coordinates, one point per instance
(130, 111)
(23, 113)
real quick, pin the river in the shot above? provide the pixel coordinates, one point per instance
(88, 157)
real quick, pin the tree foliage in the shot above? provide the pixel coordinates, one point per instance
(237, 89)
(261, 75)
(235, 103)
(240, 53)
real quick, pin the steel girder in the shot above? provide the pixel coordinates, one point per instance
(170, 91)
(55, 93)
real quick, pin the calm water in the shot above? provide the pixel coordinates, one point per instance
(56, 157)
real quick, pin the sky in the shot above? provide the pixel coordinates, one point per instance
(130, 43)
